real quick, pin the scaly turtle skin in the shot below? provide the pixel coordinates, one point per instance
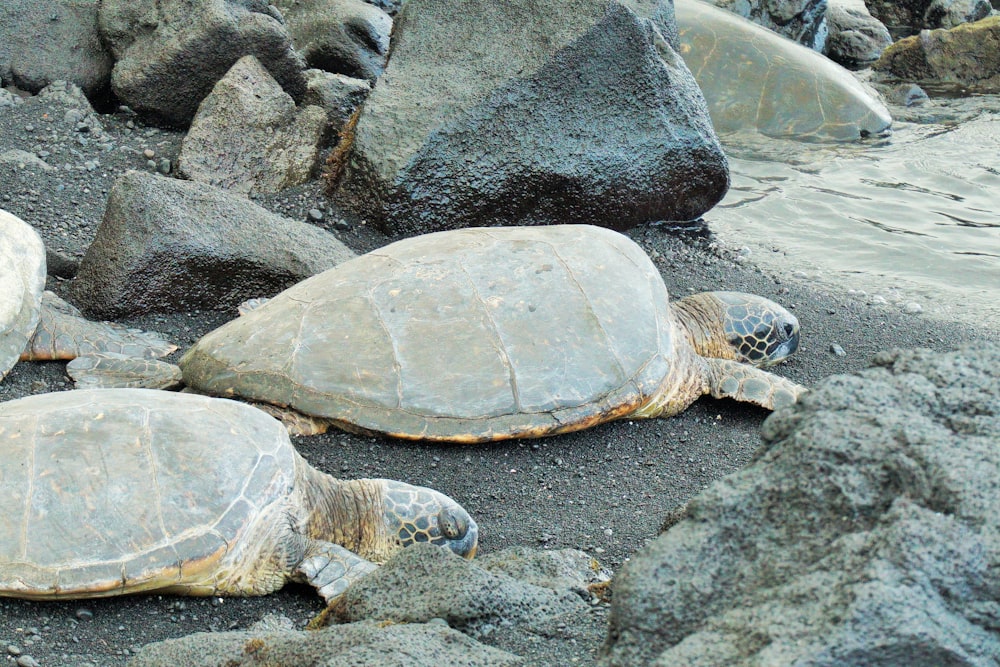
(64, 333)
(114, 491)
(484, 334)
(754, 78)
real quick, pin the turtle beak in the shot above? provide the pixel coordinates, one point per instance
(786, 344)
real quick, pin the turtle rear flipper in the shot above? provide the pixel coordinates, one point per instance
(731, 379)
(111, 370)
(63, 333)
(331, 568)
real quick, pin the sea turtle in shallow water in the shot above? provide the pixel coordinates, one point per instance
(37, 325)
(114, 491)
(504, 332)
(754, 78)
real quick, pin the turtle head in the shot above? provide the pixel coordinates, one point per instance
(743, 327)
(418, 514)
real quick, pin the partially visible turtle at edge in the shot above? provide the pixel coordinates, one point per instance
(117, 491)
(36, 325)
(485, 334)
(756, 79)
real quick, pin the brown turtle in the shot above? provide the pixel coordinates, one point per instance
(114, 491)
(492, 333)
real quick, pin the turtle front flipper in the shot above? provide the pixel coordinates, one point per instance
(731, 379)
(63, 333)
(331, 568)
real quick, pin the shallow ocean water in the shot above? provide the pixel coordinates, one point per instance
(912, 217)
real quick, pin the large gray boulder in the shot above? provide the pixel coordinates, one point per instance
(517, 112)
(42, 42)
(348, 37)
(802, 21)
(866, 531)
(928, 14)
(515, 587)
(967, 56)
(170, 53)
(167, 245)
(423, 607)
(249, 137)
(857, 38)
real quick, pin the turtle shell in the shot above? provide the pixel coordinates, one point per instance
(467, 335)
(22, 280)
(754, 78)
(109, 491)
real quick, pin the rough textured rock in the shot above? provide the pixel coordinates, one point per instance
(167, 245)
(802, 21)
(865, 531)
(400, 615)
(575, 112)
(249, 137)
(967, 56)
(22, 279)
(338, 95)
(363, 643)
(914, 15)
(42, 42)
(857, 38)
(341, 36)
(470, 596)
(170, 53)
(951, 13)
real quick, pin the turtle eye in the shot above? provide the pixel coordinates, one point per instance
(452, 526)
(789, 329)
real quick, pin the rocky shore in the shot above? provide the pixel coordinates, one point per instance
(559, 516)
(605, 492)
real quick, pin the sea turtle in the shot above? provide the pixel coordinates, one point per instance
(37, 325)
(22, 280)
(754, 78)
(491, 333)
(115, 491)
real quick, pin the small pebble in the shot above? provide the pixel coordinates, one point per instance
(838, 350)
(315, 214)
(84, 614)
(14, 650)
(342, 225)
(877, 299)
(912, 308)
(164, 166)
(801, 275)
(149, 153)
(27, 661)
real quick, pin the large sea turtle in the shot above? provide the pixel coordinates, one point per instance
(754, 78)
(490, 333)
(114, 491)
(37, 325)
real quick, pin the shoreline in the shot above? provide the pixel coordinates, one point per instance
(606, 490)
